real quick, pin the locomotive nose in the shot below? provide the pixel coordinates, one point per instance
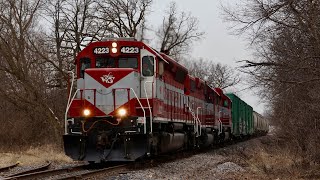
(112, 90)
(108, 77)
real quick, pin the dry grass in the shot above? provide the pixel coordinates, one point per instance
(274, 164)
(263, 158)
(34, 155)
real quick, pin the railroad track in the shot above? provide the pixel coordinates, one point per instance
(94, 173)
(6, 168)
(87, 171)
(75, 172)
(43, 172)
(29, 171)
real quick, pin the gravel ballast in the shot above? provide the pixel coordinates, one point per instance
(244, 160)
(201, 166)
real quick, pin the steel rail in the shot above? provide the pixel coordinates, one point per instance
(47, 173)
(90, 174)
(40, 168)
(8, 167)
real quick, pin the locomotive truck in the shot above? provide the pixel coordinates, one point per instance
(132, 101)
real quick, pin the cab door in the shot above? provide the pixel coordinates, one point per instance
(148, 71)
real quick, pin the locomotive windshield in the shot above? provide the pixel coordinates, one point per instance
(123, 62)
(105, 62)
(128, 63)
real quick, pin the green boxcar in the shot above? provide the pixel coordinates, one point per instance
(242, 116)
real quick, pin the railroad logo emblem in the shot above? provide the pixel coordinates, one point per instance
(108, 78)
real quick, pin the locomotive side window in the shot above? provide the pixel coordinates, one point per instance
(161, 68)
(105, 62)
(192, 85)
(147, 66)
(84, 64)
(128, 63)
(218, 100)
(180, 75)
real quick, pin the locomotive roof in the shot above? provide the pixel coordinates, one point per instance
(215, 91)
(172, 62)
(220, 93)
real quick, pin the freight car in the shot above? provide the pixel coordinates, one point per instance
(261, 125)
(242, 117)
(245, 121)
(131, 101)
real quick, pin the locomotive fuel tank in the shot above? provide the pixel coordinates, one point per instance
(171, 141)
(209, 140)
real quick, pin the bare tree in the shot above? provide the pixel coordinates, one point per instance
(60, 54)
(223, 76)
(215, 74)
(178, 31)
(23, 73)
(287, 34)
(79, 17)
(125, 17)
(74, 24)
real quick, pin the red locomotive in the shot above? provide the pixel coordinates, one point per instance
(133, 101)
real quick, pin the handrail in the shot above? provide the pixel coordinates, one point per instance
(199, 119)
(145, 91)
(67, 109)
(70, 86)
(68, 103)
(144, 112)
(220, 125)
(195, 120)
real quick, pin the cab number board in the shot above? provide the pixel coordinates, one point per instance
(129, 50)
(101, 50)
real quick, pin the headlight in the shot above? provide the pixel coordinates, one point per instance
(122, 112)
(86, 112)
(114, 50)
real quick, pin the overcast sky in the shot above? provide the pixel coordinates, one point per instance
(218, 44)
